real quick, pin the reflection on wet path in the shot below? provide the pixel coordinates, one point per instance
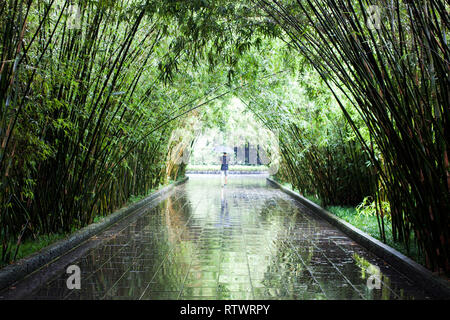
(244, 241)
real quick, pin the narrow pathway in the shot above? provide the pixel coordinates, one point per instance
(244, 241)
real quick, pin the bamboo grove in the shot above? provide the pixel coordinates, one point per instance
(93, 103)
(86, 109)
(320, 153)
(396, 75)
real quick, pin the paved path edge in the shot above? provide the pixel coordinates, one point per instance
(21, 268)
(434, 285)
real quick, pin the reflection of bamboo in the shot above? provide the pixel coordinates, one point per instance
(178, 231)
(176, 225)
(368, 269)
(295, 262)
(177, 228)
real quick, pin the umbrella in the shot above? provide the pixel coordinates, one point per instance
(222, 149)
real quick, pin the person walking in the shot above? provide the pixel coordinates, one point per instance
(224, 168)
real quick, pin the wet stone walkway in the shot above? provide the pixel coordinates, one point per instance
(244, 241)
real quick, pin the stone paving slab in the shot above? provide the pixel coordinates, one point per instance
(246, 240)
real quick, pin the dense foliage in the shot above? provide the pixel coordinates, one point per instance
(393, 67)
(87, 111)
(321, 154)
(100, 100)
